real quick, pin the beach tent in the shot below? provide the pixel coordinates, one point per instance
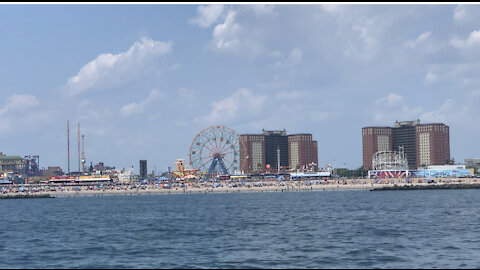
(281, 177)
(161, 178)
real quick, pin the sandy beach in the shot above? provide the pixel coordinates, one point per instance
(229, 187)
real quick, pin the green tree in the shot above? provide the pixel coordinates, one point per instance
(451, 161)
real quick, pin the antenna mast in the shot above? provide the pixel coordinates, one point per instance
(78, 135)
(278, 158)
(83, 154)
(68, 146)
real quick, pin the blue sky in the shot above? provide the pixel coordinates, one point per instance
(143, 80)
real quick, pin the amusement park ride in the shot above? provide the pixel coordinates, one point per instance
(214, 152)
(181, 172)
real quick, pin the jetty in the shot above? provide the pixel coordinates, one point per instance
(25, 196)
(430, 186)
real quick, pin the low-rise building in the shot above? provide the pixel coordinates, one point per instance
(52, 171)
(472, 162)
(14, 164)
(100, 167)
(446, 167)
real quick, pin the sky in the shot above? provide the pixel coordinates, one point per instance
(143, 80)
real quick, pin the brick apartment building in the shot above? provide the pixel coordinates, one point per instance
(424, 144)
(277, 149)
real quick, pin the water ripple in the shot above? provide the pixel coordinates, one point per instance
(348, 229)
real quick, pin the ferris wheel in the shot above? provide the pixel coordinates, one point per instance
(216, 150)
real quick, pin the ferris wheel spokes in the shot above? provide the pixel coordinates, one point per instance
(206, 162)
(212, 147)
(226, 142)
(216, 146)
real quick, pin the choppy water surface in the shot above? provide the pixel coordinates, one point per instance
(331, 229)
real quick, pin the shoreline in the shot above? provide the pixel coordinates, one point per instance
(242, 189)
(442, 186)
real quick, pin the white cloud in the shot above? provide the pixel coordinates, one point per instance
(394, 107)
(225, 35)
(207, 15)
(292, 95)
(459, 76)
(413, 43)
(188, 99)
(392, 100)
(460, 111)
(466, 15)
(365, 28)
(472, 40)
(275, 54)
(241, 103)
(185, 93)
(276, 82)
(459, 12)
(295, 57)
(18, 102)
(442, 113)
(25, 113)
(132, 108)
(180, 124)
(246, 110)
(229, 36)
(330, 8)
(262, 10)
(245, 39)
(136, 108)
(319, 116)
(111, 69)
(431, 77)
(175, 66)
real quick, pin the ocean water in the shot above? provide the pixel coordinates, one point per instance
(324, 229)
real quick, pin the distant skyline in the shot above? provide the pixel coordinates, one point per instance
(142, 80)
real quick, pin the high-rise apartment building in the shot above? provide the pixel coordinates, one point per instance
(404, 134)
(143, 168)
(252, 155)
(277, 149)
(375, 139)
(424, 144)
(302, 151)
(433, 143)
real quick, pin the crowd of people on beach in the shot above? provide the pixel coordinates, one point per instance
(157, 185)
(212, 185)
